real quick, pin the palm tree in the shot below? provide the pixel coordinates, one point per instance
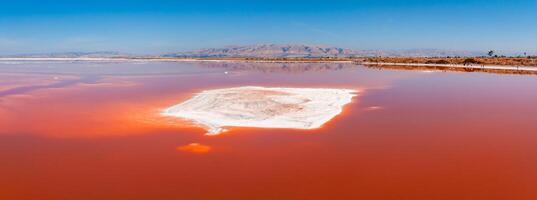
(491, 53)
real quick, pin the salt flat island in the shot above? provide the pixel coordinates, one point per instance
(262, 107)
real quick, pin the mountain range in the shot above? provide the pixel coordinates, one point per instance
(304, 51)
(266, 51)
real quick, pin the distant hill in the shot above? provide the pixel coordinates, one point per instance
(97, 54)
(264, 51)
(300, 51)
(271, 51)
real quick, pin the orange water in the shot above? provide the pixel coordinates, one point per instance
(93, 131)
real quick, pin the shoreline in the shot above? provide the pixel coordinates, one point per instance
(459, 66)
(185, 60)
(357, 61)
(465, 69)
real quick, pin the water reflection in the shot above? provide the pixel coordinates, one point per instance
(59, 83)
(69, 100)
(125, 68)
(278, 67)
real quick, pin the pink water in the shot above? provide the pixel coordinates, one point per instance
(93, 131)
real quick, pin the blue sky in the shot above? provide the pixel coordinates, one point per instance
(166, 26)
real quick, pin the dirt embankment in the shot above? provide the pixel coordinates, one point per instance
(512, 61)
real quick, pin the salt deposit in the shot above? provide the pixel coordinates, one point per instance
(296, 108)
